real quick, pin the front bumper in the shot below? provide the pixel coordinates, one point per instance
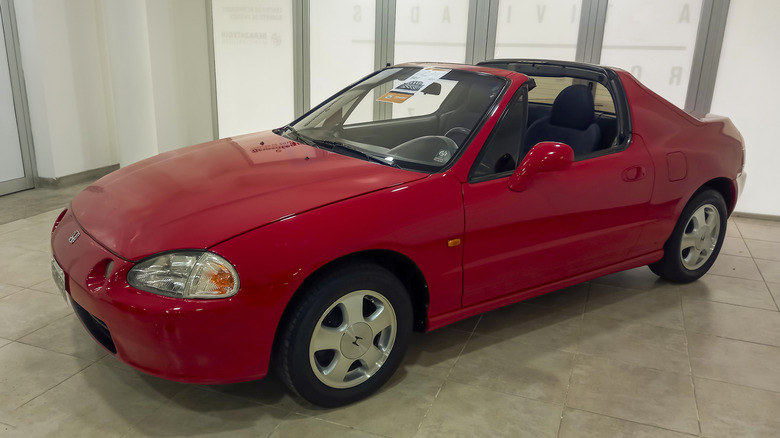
(196, 341)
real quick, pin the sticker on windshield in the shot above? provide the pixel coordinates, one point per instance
(442, 157)
(413, 85)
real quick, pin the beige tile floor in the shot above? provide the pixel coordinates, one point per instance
(622, 355)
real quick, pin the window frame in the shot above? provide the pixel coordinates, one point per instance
(505, 85)
(520, 92)
(602, 75)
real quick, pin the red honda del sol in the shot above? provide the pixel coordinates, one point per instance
(421, 195)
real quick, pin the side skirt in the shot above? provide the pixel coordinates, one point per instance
(439, 321)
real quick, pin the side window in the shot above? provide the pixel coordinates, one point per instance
(602, 99)
(576, 111)
(503, 150)
(548, 88)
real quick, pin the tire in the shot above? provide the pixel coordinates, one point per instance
(347, 335)
(696, 240)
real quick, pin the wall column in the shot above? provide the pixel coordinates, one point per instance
(130, 69)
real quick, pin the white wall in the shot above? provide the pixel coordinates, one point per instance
(180, 72)
(130, 71)
(746, 92)
(64, 82)
(253, 52)
(113, 78)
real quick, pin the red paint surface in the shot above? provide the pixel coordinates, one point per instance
(279, 210)
(198, 196)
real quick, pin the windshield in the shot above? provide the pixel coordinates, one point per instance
(415, 118)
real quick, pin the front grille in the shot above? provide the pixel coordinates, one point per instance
(96, 327)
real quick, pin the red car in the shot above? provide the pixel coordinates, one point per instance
(418, 196)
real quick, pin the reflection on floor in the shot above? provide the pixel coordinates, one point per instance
(29, 203)
(623, 355)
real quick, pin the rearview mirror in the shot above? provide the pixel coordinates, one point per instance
(434, 88)
(546, 156)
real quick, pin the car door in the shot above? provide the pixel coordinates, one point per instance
(565, 223)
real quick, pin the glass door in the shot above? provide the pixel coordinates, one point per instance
(431, 30)
(15, 168)
(654, 41)
(253, 54)
(542, 29)
(341, 41)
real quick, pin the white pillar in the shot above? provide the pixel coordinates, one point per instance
(127, 38)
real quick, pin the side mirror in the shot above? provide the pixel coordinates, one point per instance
(546, 156)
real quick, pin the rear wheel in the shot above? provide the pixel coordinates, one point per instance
(696, 240)
(347, 336)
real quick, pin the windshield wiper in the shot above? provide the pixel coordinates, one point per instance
(329, 144)
(298, 136)
(378, 159)
(338, 147)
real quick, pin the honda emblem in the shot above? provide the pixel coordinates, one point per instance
(73, 237)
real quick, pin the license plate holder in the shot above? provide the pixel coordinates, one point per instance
(59, 278)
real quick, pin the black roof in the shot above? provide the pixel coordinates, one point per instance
(544, 67)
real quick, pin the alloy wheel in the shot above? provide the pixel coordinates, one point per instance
(352, 339)
(700, 237)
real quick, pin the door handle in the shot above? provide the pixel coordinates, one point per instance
(634, 173)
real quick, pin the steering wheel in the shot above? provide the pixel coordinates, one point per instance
(428, 148)
(458, 134)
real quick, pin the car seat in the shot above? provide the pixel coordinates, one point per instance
(571, 121)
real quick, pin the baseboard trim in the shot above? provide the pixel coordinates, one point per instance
(87, 175)
(766, 217)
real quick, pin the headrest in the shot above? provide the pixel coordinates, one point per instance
(573, 108)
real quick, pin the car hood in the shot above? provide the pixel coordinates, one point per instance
(198, 196)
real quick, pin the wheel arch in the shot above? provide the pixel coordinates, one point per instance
(398, 264)
(726, 188)
(722, 185)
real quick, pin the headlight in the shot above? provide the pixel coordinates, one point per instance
(185, 274)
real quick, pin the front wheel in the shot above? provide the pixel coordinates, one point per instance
(347, 335)
(696, 240)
